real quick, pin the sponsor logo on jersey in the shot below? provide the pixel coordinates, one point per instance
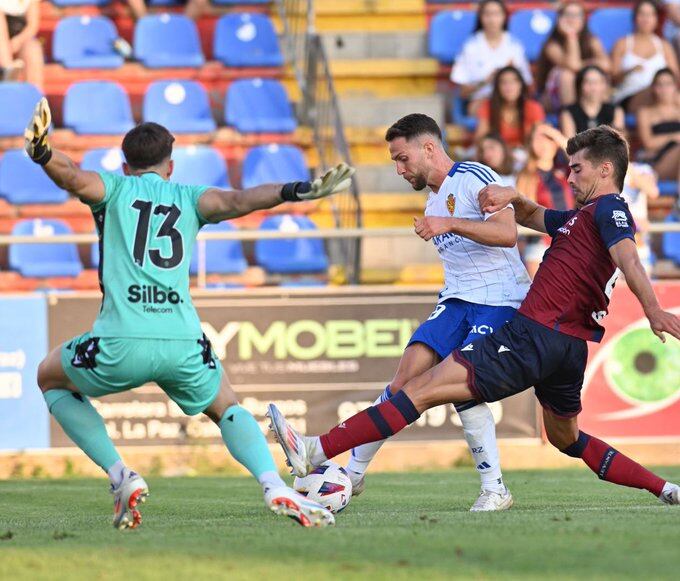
(620, 218)
(451, 203)
(566, 228)
(149, 296)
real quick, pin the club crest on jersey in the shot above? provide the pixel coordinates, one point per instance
(451, 203)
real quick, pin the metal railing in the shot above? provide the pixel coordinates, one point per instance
(319, 111)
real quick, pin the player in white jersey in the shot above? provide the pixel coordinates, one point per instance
(485, 282)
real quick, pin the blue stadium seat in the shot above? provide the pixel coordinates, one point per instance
(259, 106)
(66, 3)
(86, 42)
(273, 164)
(97, 107)
(181, 106)
(167, 40)
(200, 165)
(221, 256)
(109, 160)
(532, 28)
(94, 255)
(448, 32)
(668, 187)
(17, 101)
(290, 255)
(670, 241)
(24, 182)
(246, 40)
(41, 260)
(610, 24)
(459, 114)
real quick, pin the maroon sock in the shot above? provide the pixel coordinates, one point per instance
(610, 465)
(375, 423)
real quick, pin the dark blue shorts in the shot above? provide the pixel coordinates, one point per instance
(455, 323)
(522, 354)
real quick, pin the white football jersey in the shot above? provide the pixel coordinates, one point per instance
(474, 272)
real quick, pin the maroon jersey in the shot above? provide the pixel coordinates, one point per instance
(574, 283)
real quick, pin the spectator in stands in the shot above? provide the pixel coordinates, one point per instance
(490, 49)
(638, 56)
(509, 112)
(593, 106)
(194, 8)
(639, 187)
(494, 152)
(659, 126)
(568, 49)
(672, 26)
(543, 182)
(19, 23)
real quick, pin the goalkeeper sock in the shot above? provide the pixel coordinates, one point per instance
(373, 424)
(245, 441)
(610, 465)
(83, 424)
(480, 435)
(362, 455)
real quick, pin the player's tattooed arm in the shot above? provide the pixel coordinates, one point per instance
(528, 213)
(625, 256)
(61, 169)
(499, 230)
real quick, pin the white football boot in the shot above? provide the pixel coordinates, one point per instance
(358, 480)
(294, 444)
(285, 501)
(670, 494)
(490, 501)
(126, 496)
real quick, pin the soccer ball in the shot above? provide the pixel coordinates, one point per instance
(329, 485)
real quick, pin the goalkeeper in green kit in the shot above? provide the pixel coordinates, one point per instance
(147, 329)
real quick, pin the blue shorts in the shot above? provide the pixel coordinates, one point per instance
(455, 323)
(522, 354)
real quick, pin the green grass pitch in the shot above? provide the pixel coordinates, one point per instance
(565, 525)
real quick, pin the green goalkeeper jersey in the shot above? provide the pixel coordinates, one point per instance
(147, 228)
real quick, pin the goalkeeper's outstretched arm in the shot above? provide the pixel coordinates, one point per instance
(216, 205)
(86, 185)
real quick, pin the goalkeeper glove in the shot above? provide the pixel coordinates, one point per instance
(35, 135)
(335, 180)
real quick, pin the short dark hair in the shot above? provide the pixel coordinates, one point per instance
(603, 143)
(147, 145)
(413, 125)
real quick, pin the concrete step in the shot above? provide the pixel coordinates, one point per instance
(370, 111)
(380, 45)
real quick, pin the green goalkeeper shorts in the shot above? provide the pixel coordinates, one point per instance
(187, 370)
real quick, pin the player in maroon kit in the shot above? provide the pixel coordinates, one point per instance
(545, 344)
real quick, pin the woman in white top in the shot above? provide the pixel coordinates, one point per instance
(638, 56)
(491, 48)
(19, 23)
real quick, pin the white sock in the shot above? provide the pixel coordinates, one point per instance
(116, 473)
(270, 479)
(480, 434)
(362, 455)
(315, 450)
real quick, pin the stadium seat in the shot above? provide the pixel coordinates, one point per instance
(221, 256)
(290, 255)
(200, 165)
(668, 187)
(246, 40)
(610, 24)
(448, 32)
(97, 107)
(86, 42)
(94, 255)
(24, 182)
(273, 164)
(259, 106)
(167, 40)
(17, 101)
(670, 241)
(532, 28)
(43, 260)
(181, 106)
(459, 114)
(109, 160)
